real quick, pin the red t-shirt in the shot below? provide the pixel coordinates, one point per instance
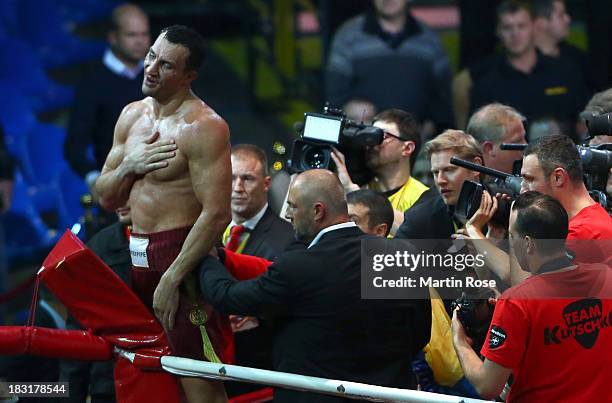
(590, 235)
(554, 331)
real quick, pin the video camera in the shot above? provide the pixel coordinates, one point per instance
(471, 192)
(598, 125)
(596, 163)
(321, 132)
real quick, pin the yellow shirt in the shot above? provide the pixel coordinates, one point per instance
(406, 196)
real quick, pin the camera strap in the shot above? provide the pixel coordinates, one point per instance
(555, 264)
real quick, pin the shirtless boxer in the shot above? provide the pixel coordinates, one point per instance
(171, 160)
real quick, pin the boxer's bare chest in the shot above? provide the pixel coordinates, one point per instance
(169, 128)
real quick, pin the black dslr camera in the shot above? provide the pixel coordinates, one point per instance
(471, 193)
(321, 132)
(475, 313)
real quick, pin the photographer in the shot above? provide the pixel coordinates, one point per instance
(433, 218)
(601, 103)
(391, 162)
(553, 167)
(568, 304)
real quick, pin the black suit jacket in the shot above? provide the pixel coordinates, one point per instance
(324, 328)
(429, 219)
(96, 378)
(270, 236)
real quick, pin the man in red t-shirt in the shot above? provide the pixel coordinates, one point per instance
(552, 166)
(553, 331)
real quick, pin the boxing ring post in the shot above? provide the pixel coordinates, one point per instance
(352, 390)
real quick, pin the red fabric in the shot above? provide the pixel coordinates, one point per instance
(102, 302)
(99, 299)
(591, 223)
(234, 239)
(137, 385)
(185, 339)
(555, 332)
(245, 267)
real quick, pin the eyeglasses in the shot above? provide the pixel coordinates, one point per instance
(388, 135)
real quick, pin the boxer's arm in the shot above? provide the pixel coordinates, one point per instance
(207, 148)
(123, 166)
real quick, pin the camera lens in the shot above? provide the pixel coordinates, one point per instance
(316, 158)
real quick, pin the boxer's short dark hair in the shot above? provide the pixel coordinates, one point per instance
(192, 40)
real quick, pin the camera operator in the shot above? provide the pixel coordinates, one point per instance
(391, 162)
(551, 166)
(568, 304)
(492, 125)
(601, 103)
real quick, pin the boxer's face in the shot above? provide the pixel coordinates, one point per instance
(165, 72)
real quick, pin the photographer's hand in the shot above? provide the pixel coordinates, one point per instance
(487, 377)
(342, 172)
(488, 207)
(460, 338)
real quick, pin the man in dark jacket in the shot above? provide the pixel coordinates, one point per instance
(325, 328)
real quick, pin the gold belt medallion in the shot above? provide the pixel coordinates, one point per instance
(198, 316)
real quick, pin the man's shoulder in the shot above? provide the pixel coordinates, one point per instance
(431, 202)
(351, 27)
(425, 34)
(274, 221)
(133, 111)
(324, 251)
(91, 72)
(571, 51)
(201, 119)
(488, 65)
(558, 67)
(592, 222)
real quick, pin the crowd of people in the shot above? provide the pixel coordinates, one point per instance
(232, 280)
